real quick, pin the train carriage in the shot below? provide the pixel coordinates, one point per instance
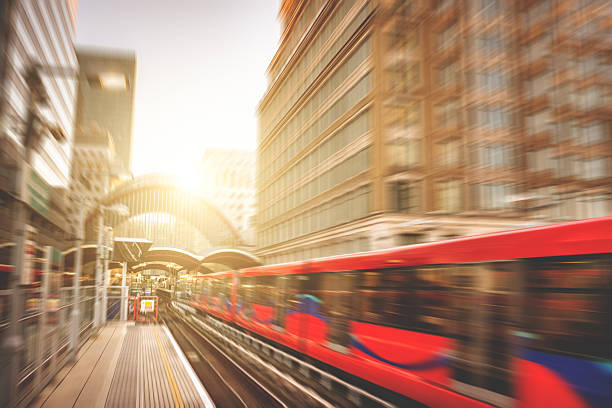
(520, 316)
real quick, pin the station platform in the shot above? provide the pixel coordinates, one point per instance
(127, 365)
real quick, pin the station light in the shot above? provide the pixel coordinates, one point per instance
(113, 81)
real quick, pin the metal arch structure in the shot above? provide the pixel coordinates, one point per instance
(230, 258)
(173, 259)
(163, 212)
(234, 258)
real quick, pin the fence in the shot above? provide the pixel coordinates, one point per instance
(45, 326)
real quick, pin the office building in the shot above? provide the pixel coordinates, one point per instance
(228, 180)
(40, 33)
(106, 96)
(92, 170)
(396, 122)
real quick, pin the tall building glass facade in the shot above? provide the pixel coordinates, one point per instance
(431, 119)
(42, 32)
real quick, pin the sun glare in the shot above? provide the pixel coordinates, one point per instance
(188, 177)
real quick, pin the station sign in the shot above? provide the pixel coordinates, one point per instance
(130, 249)
(147, 305)
(37, 192)
(29, 256)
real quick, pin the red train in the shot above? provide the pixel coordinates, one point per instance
(514, 318)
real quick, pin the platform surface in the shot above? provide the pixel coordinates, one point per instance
(127, 365)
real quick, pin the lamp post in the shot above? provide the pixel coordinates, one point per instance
(105, 277)
(101, 281)
(75, 324)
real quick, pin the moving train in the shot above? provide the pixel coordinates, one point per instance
(518, 318)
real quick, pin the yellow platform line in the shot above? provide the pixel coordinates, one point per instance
(176, 395)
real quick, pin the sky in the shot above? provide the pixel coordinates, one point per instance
(201, 72)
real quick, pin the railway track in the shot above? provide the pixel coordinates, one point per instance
(227, 384)
(227, 381)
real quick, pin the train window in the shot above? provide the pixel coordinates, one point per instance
(483, 313)
(213, 287)
(568, 305)
(246, 291)
(295, 286)
(387, 297)
(282, 297)
(205, 289)
(431, 285)
(336, 293)
(225, 287)
(264, 290)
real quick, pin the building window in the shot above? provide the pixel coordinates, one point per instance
(540, 160)
(489, 8)
(405, 152)
(537, 13)
(562, 95)
(496, 155)
(539, 48)
(443, 5)
(448, 114)
(448, 75)
(409, 239)
(539, 122)
(596, 168)
(412, 76)
(566, 166)
(538, 85)
(449, 196)
(448, 37)
(412, 114)
(491, 43)
(407, 196)
(491, 81)
(495, 196)
(594, 133)
(590, 99)
(562, 132)
(595, 206)
(449, 152)
(494, 118)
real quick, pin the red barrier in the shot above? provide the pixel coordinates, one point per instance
(132, 307)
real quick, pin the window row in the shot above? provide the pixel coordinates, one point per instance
(335, 248)
(569, 165)
(310, 65)
(274, 204)
(350, 132)
(493, 196)
(571, 206)
(282, 151)
(347, 207)
(300, 79)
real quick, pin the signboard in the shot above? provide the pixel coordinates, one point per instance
(130, 249)
(37, 192)
(147, 305)
(29, 256)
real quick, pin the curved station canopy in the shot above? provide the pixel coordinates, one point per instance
(172, 259)
(166, 214)
(179, 223)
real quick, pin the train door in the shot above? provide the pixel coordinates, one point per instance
(337, 301)
(486, 313)
(235, 282)
(281, 302)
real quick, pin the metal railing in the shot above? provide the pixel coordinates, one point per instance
(45, 326)
(252, 347)
(114, 295)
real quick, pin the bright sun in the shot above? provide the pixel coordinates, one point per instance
(188, 177)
